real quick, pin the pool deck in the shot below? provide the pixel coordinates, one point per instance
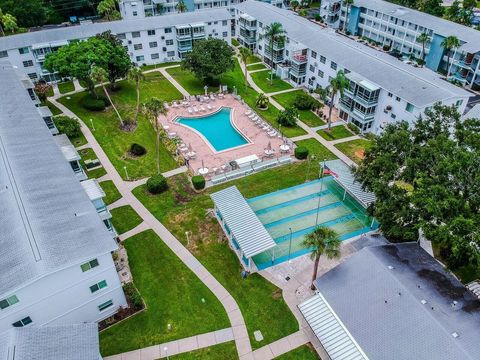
(258, 138)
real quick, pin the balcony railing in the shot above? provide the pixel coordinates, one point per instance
(362, 116)
(299, 58)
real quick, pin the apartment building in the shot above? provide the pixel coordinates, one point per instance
(55, 252)
(148, 41)
(398, 29)
(382, 89)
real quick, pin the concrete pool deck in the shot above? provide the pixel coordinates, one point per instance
(258, 138)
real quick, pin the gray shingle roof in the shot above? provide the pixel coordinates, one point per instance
(65, 342)
(419, 86)
(473, 113)
(443, 27)
(117, 27)
(249, 232)
(377, 294)
(47, 221)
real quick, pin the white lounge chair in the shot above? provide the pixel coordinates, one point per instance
(195, 110)
(272, 133)
(190, 110)
(172, 134)
(248, 112)
(202, 109)
(209, 107)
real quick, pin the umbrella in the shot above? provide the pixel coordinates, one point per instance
(189, 147)
(269, 146)
(206, 90)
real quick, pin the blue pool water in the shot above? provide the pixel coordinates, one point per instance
(216, 128)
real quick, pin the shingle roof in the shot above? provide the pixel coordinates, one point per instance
(47, 221)
(67, 148)
(419, 86)
(117, 27)
(397, 302)
(473, 113)
(245, 226)
(443, 27)
(64, 342)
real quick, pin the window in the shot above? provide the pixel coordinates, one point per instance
(312, 68)
(155, 56)
(140, 58)
(393, 116)
(170, 53)
(135, 34)
(169, 42)
(153, 44)
(121, 36)
(323, 59)
(224, 22)
(168, 30)
(33, 76)
(397, 98)
(314, 54)
(23, 50)
(89, 265)
(409, 107)
(3, 54)
(458, 103)
(225, 34)
(105, 305)
(333, 65)
(94, 288)
(215, 22)
(137, 46)
(390, 95)
(135, 13)
(151, 32)
(27, 63)
(320, 73)
(11, 300)
(23, 322)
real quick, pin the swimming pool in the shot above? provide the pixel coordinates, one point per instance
(217, 129)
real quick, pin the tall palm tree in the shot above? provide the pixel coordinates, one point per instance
(181, 7)
(338, 84)
(245, 53)
(274, 33)
(1, 22)
(100, 76)
(135, 74)
(324, 241)
(152, 109)
(347, 3)
(449, 43)
(423, 38)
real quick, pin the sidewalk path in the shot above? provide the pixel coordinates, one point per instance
(281, 346)
(347, 139)
(179, 87)
(283, 91)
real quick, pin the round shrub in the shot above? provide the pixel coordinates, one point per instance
(137, 150)
(303, 101)
(67, 125)
(198, 182)
(301, 152)
(90, 103)
(157, 184)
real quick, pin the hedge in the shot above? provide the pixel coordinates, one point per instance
(301, 152)
(198, 182)
(157, 184)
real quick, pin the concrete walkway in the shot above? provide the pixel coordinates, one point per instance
(283, 91)
(180, 170)
(281, 346)
(325, 126)
(347, 139)
(119, 203)
(136, 230)
(178, 346)
(179, 87)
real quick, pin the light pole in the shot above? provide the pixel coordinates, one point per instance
(166, 352)
(290, 245)
(91, 122)
(188, 240)
(126, 173)
(320, 193)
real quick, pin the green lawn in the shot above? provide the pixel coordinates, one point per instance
(124, 218)
(235, 42)
(307, 116)
(225, 351)
(173, 294)
(253, 59)
(317, 149)
(66, 87)
(55, 111)
(50, 91)
(157, 66)
(305, 352)
(262, 79)
(89, 154)
(188, 81)
(351, 148)
(256, 67)
(111, 192)
(336, 132)
(181, 209)
(116, 142)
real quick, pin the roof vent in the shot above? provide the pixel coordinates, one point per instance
(423, 301)
(454, 304)
(455, 335)
(390, 267)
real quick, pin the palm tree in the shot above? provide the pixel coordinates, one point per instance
(294, 4)
(107, 9)
(1, 22)
(181, 7)
(449, 43)
(324, 241)
(347, 3)
(152, 109)
(274, 33)
(100, 76)
(338, 84)
(135, 74)
(423, 38)
(245, 53)
(262, 101)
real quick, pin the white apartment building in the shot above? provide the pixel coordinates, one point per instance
(397, 28)
(148, 41)
(55, 252)
(382, 88)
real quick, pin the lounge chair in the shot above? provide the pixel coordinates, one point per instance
(272, 133)
(195, 110)
(202, 109)
(209, 107)
(190, 110)
(172, 134)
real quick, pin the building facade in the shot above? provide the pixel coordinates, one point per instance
(56, 260)
(397, 29)
(382, 89)
(148, 41)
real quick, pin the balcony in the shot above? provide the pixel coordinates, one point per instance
(463, 63)
(299, 58)
(277, 57)
(362, 116)
(298, 71)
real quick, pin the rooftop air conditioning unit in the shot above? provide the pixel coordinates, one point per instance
(388, 108)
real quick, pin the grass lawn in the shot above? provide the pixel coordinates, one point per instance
(161, 65)
(50, 91)
(316, 148)
(188, 81)
(253, 59)
(173, 295)
(304, 352)
(349, 148)
(256, 67)
(225, 351)
(235, 42)
(124, 218)
(307, 116)
(111, 192)
(116, 142)
(336, 132)
(262, 79)
(181, 209)
(89, 154)
(66, 87)
(55, 111)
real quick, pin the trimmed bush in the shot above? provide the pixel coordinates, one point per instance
(301, 152)
(198, 182)
(137, 150)
(68, 126)
(92, 104)
(303, 101)
(134, 296)
(288, 117)
(157, 184)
